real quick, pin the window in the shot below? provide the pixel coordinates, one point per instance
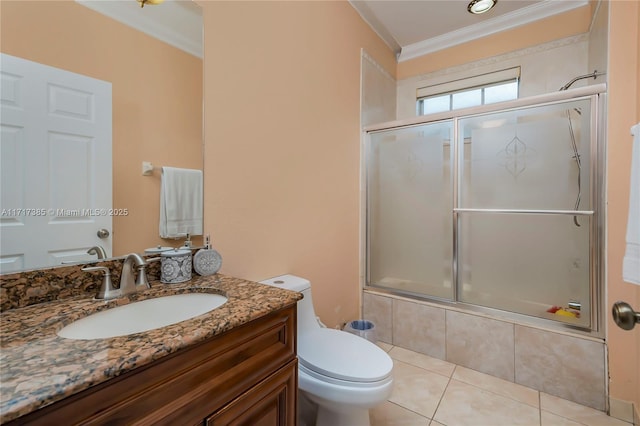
(479, 90)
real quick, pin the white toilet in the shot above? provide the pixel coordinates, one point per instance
(342, 373)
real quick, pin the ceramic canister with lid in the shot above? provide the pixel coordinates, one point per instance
(176, 266)
(157, 250)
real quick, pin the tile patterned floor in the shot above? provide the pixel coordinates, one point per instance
(431, 392)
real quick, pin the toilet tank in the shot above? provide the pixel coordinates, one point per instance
(288, 282)
(306, 314)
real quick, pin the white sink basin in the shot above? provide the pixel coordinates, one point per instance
(142, 316)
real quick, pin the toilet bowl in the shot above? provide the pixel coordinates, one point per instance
(343, 374)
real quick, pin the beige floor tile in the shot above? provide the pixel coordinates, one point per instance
(434, 423)
(464, 405)
(501, 387)
(434, 365)
(550, 419)
(576, 412)
(417, 389)
(390, 414)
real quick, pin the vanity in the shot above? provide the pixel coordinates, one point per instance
(235, 364)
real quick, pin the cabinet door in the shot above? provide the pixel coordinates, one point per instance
(270, 403)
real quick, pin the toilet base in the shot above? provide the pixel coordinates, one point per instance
(341, 404)
(307, 411)
(354, 417)
(316, 411)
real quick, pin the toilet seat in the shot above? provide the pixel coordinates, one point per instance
(347, 384)
(342, 356)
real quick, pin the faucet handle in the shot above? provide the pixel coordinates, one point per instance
(107, 291)
(142, 283)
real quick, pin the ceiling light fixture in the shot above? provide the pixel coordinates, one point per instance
(480, 6)
(143, 2)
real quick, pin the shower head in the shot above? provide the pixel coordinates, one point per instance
(594, 74)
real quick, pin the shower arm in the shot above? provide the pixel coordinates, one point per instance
(593, 75)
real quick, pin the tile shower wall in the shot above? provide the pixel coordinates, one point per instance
(574, 368)
(538, 66)
(569, 367)
(480, 343)
(378, 92)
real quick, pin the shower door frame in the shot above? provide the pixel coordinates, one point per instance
(596, 94)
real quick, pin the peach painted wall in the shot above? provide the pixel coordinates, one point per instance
(282, 155)
(157, 99)
(576, 21)
(624, 112)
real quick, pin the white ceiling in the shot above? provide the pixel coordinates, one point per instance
(411, 28)
(417, 27)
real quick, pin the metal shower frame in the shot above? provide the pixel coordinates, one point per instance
(597, 165)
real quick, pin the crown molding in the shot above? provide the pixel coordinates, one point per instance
(499, 59)
(374, 23)
(491, 26)
(146, 24)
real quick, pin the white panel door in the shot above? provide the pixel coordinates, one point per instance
(55, 159)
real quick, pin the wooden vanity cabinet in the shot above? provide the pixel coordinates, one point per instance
(246, 376)
(264, 405)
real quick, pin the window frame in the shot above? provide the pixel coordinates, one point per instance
(482, 81)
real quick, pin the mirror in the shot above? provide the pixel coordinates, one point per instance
(156, 84)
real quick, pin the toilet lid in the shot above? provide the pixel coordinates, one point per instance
(343, 356)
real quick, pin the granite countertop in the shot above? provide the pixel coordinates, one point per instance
(39, 368)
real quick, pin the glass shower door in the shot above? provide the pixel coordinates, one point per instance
(409, 202)
(524, 213)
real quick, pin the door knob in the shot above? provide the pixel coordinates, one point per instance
(103, 233)
(625, 316)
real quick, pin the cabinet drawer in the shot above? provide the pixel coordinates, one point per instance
(270, 403)
(185, 387)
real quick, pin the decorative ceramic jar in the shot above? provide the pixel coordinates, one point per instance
(176, 266)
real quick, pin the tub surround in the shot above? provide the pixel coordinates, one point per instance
(39, 368)
(569, 366)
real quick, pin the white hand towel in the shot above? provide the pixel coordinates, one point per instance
(180, 202)
(631, 262)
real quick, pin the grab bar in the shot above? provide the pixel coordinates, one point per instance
(518, 211)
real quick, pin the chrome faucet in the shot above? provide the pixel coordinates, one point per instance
(99, 251)
(107, 290)
(131, 264)
(128, 283)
